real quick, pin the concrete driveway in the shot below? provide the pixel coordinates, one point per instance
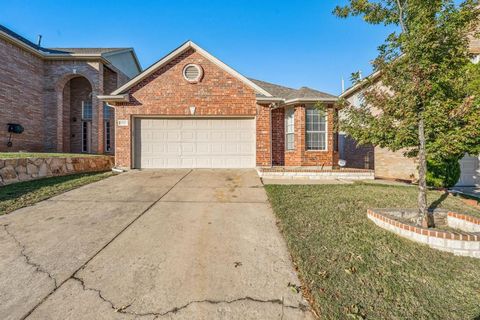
(171, 244)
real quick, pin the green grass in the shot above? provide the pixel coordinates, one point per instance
(22, 194)
(15, 155)
(353, 269)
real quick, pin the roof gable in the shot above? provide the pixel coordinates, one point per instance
(187, 45)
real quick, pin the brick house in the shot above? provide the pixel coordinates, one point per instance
(52, 93)
(191, 110)
(394, 165)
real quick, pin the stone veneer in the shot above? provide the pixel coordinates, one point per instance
(25, 169)
(464, 242)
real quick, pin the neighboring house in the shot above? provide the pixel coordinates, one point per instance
(52, 93)
(393, 165)
(191, 110)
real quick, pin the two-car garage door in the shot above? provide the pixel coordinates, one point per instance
(194, 143)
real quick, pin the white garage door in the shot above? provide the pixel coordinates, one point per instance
(470, 172)
(194, 143)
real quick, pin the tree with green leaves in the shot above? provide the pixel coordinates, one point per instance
(427, 99)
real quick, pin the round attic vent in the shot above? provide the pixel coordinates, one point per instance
(192, 72)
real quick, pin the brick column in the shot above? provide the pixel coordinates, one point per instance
(278, 137)
(294, 157)
(263, 136)
(97, 112)
(59, 122)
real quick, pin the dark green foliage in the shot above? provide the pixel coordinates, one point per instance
(426, 73)
(443, 173)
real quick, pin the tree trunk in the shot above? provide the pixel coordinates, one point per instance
(424, 218)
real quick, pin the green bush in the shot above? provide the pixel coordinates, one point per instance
(443, 173)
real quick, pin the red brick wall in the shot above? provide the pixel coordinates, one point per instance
(278, 137)
(302, 157)
(166, 92)
(358, 156)
(21, 98)
(263, 136)
(67, 118)
(57, 75)
(36, 93)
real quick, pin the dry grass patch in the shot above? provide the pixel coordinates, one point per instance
(356, 270)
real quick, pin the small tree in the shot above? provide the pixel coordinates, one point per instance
(427, 99)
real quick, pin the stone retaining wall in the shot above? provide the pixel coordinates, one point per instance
(465, 242)
(25, 169)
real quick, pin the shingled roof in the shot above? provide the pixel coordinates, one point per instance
(92, 51)
(59, 51)
(286, 93)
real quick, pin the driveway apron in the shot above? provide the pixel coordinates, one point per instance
(170, 244)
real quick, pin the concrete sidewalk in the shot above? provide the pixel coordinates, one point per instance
(175, 244)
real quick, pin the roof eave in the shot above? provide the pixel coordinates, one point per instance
(114, 98)
(284, 102)
(270, 100)
(21, 44)
(49, 56)
(352, 90)
(310, 100)
(79, 56)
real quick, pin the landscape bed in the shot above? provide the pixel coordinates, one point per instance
(351, 269)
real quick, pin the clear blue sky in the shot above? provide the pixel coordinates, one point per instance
(290, 42)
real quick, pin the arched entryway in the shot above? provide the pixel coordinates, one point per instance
(77, 115)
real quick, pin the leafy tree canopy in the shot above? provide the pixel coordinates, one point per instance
(426, 74)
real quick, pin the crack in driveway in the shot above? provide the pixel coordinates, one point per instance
(124, 309)
(73, 276)
(130, 308)
(28, 260)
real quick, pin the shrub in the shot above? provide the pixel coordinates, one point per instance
(443, 173)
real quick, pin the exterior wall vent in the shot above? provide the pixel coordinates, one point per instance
(192, 73)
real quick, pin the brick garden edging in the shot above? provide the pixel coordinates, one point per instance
(26, 169)
(465, 242)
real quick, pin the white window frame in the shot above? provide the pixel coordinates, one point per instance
(289, 126)
(83, 111)
(325, 115)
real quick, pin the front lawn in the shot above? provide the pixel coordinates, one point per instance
(15, 155)
(22, 194)
(353, 269)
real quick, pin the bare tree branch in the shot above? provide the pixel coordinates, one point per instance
(401, 16)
